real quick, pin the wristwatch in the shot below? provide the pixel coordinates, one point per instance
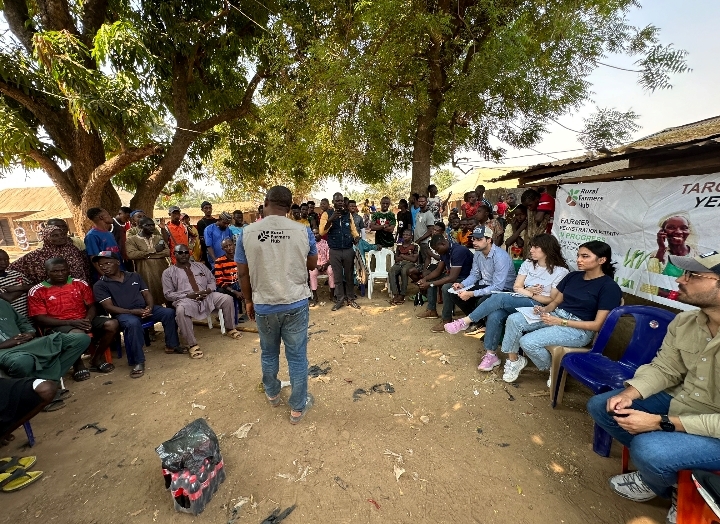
(564, 322)
(665, 423)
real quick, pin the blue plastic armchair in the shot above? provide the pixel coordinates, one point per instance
(602, 374)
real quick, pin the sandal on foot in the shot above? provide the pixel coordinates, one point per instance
(81, 375)
(105, 367)
(54, 405)
(308, 404)
(195, 352)
(274, 401)
(138, 371)
(178, 350)
(234, 333)
(10, 464)
(18, 479)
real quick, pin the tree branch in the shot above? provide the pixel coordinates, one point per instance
(17, 15)
(65, 184)
(235, 112)
(44, 113)
(94, 12)
(104, 172)
(55, 16)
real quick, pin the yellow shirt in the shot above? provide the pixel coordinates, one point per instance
(325, 227)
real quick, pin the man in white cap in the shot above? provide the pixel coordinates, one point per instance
(669, 412)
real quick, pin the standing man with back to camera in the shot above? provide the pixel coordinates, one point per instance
(273, 258)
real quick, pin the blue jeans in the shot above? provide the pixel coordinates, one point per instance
(496, 309)
(658, 455)
(133, 332)
(292, 327)
(540, 335)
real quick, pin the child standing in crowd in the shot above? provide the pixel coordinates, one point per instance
(470, 207)
(404, 219)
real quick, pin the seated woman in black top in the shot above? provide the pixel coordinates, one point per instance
(578, 308)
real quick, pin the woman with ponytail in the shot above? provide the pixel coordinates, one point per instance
(577, 310)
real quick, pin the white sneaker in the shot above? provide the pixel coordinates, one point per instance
(631, 486)
(513, 369)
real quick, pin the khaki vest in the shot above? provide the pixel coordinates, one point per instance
(276, 249)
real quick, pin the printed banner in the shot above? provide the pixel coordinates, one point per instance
(643, 221)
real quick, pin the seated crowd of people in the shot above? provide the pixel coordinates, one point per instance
(487, 262)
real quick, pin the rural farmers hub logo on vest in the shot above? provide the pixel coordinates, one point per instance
(583, 197)
(273, 236)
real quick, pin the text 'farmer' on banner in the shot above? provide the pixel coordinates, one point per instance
(643, 221)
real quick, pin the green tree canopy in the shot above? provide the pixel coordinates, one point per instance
(91, 90)
(391, 85)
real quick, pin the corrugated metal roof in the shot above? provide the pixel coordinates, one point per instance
(481, 175)
(703, 132)
(31, 200)
(588, 171)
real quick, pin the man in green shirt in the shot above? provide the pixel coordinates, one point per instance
(383, 223)
(24, 355)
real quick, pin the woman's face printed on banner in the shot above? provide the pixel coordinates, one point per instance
(676, 231)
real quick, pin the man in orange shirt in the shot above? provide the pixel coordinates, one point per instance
(175, 233)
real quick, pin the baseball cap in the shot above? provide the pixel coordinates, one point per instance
(173, 209)
(482, 231)
(705, 263)
(103, 254)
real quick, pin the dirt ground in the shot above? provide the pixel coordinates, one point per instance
(470, 454)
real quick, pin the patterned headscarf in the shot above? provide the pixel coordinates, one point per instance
(46, 229)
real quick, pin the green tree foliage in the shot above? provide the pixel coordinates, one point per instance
(391, 85)
(443, 178)
(91, 90)
(394, 187)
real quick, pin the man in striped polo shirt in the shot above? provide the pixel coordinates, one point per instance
(226, 271)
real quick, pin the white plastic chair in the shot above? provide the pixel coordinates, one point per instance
(381, 267)
(221, 319)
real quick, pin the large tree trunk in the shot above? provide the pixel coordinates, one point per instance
(426, 122)
(148, 192)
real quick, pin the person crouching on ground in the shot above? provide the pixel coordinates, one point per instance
(668, 415)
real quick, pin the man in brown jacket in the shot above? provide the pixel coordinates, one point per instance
(669, 412)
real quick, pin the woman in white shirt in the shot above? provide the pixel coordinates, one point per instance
(540, 273)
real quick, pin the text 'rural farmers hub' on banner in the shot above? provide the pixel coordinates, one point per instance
(643, 221)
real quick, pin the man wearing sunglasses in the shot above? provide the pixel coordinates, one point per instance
(669, 412)
(191, 288)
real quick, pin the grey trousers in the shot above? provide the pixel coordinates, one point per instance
(343, 266)
(187, 309)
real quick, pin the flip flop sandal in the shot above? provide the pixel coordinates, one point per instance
(274, 402)
(234, 333)
(137, 372)
(54, 405)
(10, 464)
(18, 479)
(105, 367)
(81, 375)
(195, 352)
(63, 394)
(176, 351)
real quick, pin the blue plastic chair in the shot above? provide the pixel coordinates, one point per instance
(602, 374)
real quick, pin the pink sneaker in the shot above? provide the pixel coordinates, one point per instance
(455, 327)
(489, 361)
